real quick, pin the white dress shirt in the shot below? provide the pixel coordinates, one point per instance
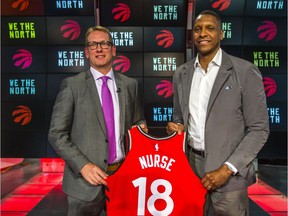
(202, 84)
(113, 89)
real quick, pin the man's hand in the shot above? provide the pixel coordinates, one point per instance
(144, 127)
(94, 174)
(174, 127)
(214, 179)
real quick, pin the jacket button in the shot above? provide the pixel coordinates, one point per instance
(105, 161)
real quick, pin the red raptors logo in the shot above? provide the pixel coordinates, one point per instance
(269, 86)
(165, 38)
(121, 63)
(221, 4)
(121, 12)
(24, 4)
(267, 30)
(22, 114)
(71, 29)
(23, 58)
(165, 88)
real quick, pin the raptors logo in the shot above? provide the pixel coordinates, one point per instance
(269, 86)
(165, 88)
(165, 38)
(121, 12)
(23, 58)
(71, 29)
(267, 30)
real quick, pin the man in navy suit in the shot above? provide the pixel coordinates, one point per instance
(78, 131)
(220, 101)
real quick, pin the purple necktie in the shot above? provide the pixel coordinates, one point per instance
(108, 111)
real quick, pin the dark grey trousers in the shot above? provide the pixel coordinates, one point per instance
(232, 203)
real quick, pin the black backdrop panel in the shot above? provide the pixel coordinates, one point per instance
(69, 8)
(23, 30)
(278, 116)
(158, 95)
(35, 8)
(16, 87)
(68, 30)
(267, 59)
(165, 39)
(23, 59)
(128, 63)
(165, 13)
(53, 85)
(23, 115)
(232, 30)
(266, 31)
(223, 8)
(275, 87)
(159, 64)
(127, 38)
(66, 59)
(266, 8)
(23, 144)
(121, 13)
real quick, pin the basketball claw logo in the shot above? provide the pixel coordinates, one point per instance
(24, 4)
(165, 88)
(267, 30)
(121, 63)
(23, 58)
(223, 4)
(22, 115)
(269, 86)
(165, 38)
(71, 29)
(121, 12)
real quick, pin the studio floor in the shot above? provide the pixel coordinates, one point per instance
(28, 190)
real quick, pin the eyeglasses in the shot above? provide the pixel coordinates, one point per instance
(93, 45)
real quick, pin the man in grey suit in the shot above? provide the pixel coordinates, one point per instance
(220, 101)
(78, 131)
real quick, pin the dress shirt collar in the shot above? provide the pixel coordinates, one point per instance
(216, 60)
(96, 74)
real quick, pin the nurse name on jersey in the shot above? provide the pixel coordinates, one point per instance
(156, 160)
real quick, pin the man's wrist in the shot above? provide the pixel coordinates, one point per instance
(230, 168)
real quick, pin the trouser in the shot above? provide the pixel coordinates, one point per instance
(95, 207)
(231, 203)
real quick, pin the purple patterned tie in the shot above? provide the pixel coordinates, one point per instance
(108, 111)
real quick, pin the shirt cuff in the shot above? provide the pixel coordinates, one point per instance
(231, 167)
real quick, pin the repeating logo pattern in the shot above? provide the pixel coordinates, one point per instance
(122, 64)
(165, 88)
(221, 4)
(270, 86)
(121, 12)
(22, 115)
(165, 38)
(23, 58)
(24, 4)
(71, 29)
(267, 31)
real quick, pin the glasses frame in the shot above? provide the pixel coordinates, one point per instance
(93, 45)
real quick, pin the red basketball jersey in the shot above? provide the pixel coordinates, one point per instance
(155, 179)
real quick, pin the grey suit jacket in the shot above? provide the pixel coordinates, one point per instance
(77, 131)
(237, 123)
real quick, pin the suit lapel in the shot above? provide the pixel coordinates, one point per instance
(95, 100)
(223, 74)
(187, 77)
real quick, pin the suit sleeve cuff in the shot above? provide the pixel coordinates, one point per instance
(231, 167)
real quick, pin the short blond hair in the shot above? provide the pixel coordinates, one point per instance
(97, 28)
